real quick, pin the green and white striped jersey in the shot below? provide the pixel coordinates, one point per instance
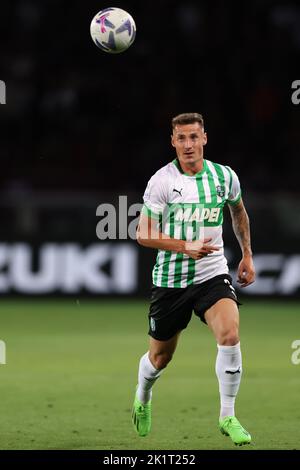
(190, 208)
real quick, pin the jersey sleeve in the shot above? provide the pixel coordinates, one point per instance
(235, 192)
(155, 197)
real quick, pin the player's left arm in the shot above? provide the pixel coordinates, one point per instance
(241, 228)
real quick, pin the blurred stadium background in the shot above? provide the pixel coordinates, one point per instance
(81, 128)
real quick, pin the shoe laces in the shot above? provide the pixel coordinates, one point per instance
(143, 410)
(233, 421)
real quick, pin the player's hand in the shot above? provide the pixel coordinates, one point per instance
(246, 271)
(197, 249)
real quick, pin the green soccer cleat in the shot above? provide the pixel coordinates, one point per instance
(141, 417)
(230, 426)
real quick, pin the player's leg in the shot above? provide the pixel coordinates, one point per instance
(169, 313)
(151, 366)
(223, 319)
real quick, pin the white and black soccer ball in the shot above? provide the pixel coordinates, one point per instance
(113, 30)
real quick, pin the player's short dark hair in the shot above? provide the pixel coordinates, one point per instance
(187, 118)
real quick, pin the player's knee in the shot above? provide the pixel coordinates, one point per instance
(161, 360)
(229, 337)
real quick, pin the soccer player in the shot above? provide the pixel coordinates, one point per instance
(182, 217)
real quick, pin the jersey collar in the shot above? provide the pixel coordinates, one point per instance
(178, 166)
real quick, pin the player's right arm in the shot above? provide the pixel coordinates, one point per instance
(150, 236)
(156, 198)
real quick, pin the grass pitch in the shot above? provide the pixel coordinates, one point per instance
(71, 374)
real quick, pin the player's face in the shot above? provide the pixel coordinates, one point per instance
(188, 140)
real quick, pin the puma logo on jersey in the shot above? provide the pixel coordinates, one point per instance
(178, 191)
(198, 215)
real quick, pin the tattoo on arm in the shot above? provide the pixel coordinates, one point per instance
(241, 227)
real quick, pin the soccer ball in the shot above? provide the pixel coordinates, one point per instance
(113, 30)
